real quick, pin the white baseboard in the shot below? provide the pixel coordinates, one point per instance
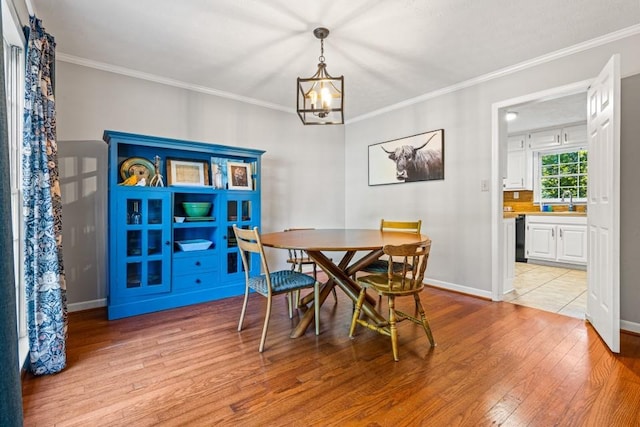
(86, 305)
(557, 264)
(458, 288)
(634, 327)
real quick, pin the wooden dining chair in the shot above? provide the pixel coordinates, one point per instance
(394, 284)
(381, 265)
(270, 283)
(299, 258)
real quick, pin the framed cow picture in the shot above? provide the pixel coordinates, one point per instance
(413, 158)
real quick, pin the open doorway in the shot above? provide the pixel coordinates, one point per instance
(546, 164)
(603, 226)
(541, 118)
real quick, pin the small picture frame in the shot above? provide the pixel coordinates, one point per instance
(239, 176)
(194, 173)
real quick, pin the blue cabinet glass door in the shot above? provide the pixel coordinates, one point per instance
(143, 242)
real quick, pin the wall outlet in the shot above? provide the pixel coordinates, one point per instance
(516, 195)
(484, 185)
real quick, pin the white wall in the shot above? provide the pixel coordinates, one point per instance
(303, 167)
(455, 213)
(630, 199)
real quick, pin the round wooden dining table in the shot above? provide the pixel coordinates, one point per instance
(350, 241)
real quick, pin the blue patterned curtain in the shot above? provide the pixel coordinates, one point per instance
(44, 272)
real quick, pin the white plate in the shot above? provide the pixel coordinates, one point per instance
(194, 245)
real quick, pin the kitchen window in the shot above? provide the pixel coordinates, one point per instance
(12, 38)
(559, 174)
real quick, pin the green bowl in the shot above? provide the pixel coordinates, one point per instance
(196, 208)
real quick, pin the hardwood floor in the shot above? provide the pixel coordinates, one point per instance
(495, 364)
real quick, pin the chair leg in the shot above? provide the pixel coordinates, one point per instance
(290, 304)
(425, 322)
(356, 311)
(244, 308)
(393, 329)
(266, 325)
(316, 306)
(315, 277)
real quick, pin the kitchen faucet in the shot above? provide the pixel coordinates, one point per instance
(571, 207)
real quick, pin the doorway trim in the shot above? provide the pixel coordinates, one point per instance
(498, 169)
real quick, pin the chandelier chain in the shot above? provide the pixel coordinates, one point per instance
(321, 57)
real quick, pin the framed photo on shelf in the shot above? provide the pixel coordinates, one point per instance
(188, 172)
(239, 176)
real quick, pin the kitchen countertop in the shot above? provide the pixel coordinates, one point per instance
(562, 213)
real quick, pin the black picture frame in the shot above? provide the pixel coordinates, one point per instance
(413, 158)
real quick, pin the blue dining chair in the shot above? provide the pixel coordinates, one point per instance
(269, 284)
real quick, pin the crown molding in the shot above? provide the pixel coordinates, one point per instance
(169, 82)
(580, 47)
(589, 44)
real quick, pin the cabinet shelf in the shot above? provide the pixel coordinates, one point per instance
(147, 270)
(204, 224)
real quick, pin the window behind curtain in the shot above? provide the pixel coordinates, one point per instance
(14, 81)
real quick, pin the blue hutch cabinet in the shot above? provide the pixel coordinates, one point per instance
(159, 256)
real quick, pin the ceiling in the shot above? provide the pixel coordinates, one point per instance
(554, 112)
(389, 51)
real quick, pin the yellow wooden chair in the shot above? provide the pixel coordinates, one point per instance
(396, 284)
(270, 283)
(381, 265)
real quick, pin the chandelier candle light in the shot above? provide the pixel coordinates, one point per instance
(321, 97)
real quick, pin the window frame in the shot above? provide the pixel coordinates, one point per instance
(14, 66)
(537, 174)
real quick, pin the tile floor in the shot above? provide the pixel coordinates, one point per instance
(559, 290)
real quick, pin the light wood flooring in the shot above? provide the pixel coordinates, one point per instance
(555, 289)
(494, 364)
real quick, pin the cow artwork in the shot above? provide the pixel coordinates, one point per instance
(417, 158)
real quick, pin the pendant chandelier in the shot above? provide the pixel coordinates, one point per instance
(321, 97)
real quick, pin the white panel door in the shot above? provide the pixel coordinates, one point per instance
(603, 266)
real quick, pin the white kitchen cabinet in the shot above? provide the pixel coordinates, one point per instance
(560, 239)
(519, 174)
(574, 135)
(572, 244)
(544, 139)
(567, 136)
(509, 243)
(541, 241)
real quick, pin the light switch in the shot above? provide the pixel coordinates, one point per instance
(516, 194)
(484, 185)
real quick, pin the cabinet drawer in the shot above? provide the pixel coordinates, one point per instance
(191, 281)
(194, 264)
